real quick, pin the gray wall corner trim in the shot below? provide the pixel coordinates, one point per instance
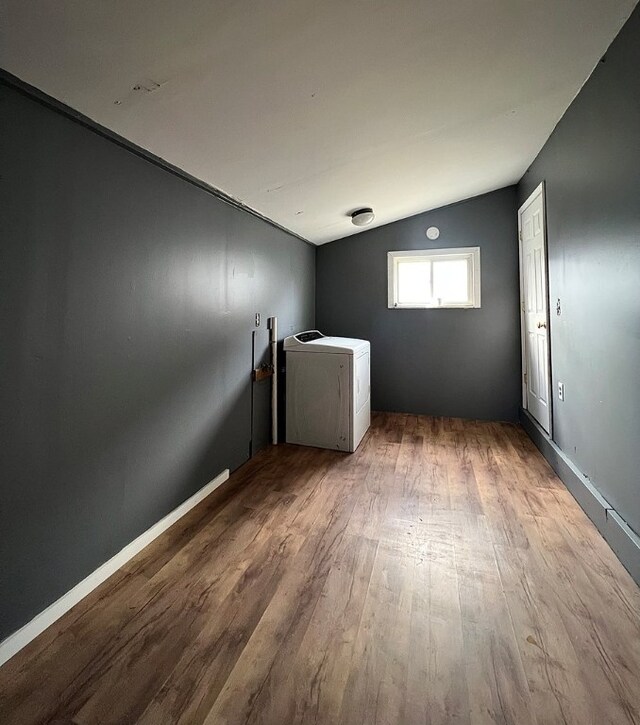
(54, 104)
(615, 531)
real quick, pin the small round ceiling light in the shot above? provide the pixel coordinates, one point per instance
(362, 217)
(432, 233)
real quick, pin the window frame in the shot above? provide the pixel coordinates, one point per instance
(471, 254)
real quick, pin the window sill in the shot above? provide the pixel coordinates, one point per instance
(434, 307)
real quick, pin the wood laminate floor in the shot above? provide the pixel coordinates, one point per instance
(441, 574)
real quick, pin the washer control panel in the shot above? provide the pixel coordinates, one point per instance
(309, 336)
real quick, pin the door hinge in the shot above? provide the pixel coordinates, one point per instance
(520, 235)
(525, 378)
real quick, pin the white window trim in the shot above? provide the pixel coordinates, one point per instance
(469, 253)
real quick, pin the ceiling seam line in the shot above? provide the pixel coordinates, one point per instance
(35, 94)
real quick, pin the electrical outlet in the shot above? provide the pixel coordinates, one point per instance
(561, 391)
(257, 319)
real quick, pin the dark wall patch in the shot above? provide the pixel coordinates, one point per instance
(448, 362)
(128, 298)
(591, 167)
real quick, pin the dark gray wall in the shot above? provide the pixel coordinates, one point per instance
(127, 305)
(591, 166)
(439, 362)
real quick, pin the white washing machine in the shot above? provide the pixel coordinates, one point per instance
(328, 390)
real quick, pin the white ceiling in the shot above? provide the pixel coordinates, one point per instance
(307, 109)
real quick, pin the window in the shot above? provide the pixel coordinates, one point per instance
(435, 278)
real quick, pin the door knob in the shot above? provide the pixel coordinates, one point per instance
(542, 324)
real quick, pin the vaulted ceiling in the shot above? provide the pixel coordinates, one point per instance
(304, 109)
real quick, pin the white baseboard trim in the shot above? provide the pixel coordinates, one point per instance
(16, 641)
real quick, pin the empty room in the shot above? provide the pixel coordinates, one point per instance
(320, 362)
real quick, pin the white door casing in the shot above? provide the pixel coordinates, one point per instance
(536, 379)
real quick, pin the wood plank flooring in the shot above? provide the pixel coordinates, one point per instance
(441, 574)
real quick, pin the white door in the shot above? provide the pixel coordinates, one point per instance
(534, 306)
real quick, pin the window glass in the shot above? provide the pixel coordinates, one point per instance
(414, 282)
(451, 280)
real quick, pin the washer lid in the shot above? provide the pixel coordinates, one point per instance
(314, 341)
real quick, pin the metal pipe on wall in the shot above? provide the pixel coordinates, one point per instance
(273, 344)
